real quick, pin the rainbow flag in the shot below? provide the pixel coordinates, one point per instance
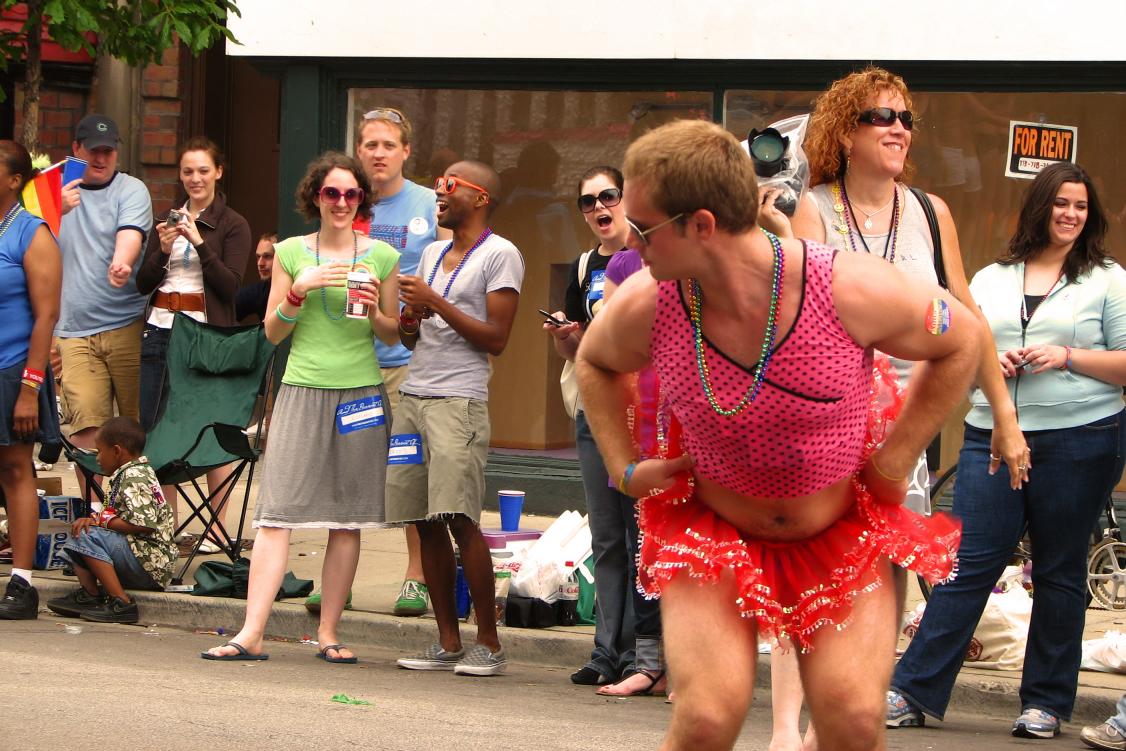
(43, 196)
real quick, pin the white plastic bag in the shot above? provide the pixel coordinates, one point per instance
(1107, 655)
(544, 566)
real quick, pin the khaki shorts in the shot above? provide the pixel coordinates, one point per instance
(393, 378)
(98, 370)
(450, 480)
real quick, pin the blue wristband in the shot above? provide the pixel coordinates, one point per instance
(282, 315)
(624, 482)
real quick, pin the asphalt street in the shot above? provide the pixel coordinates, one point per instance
(114, 687)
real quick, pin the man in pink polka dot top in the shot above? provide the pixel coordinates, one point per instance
(771, 499)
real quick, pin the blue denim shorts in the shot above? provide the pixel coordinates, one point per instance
(111, 547)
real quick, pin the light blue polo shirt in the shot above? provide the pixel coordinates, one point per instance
(87, 236)
(405, 221)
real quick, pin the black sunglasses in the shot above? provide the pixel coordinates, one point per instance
(885, 117)
(609, 197)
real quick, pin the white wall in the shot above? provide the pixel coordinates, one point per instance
(689, 29)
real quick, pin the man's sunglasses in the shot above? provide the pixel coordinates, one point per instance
(449, 184)
(391, 115)
(609, 197)
(642, 235)
(331, 195)
(885, 117)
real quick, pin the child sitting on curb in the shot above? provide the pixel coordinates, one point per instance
(126, 545)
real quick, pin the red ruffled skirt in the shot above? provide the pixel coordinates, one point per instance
(791, 589)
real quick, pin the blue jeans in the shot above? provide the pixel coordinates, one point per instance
(111, 547)
(627, 629)
(154, 374)
(1073, 472)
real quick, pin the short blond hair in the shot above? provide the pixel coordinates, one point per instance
(383, 117)
(690, 165)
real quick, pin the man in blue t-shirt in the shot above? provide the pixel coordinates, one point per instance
(404, 218)
(106, 217)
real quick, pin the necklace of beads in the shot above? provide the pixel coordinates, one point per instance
(10, 217)
(1025, 315)
(324, 295)
(434, 272)
(694, 312)
(841, 205)
(188, 250)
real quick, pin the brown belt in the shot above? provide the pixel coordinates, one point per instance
(176, 301)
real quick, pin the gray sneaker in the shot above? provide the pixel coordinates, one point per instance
(1104, 736)
(480, 661)
(434, 658)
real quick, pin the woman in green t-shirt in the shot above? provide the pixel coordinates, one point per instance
(330, 431)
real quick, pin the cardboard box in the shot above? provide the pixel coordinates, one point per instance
(48, 549)
(49, 485)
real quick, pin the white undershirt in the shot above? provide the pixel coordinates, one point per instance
(179, 279)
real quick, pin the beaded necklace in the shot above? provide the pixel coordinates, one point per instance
(434, 272)
(10, 217)
(1025, 315)
(694, 313)
(841, 205)
(188, 250)
(324, 295)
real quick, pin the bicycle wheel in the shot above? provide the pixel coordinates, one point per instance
(1106, 574)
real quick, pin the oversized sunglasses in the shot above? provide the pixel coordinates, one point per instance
(609, 197)
(885, 117)
(391, 115)
(449, 184)
(331, 195)
(643, 234)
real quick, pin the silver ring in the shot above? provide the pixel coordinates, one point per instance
(995, 457)
(1023, 467)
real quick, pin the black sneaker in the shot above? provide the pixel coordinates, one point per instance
(114, 610)
(73, 604)
(20, 601)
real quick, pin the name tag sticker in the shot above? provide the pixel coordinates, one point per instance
(405, 449)
(597, 285)
(360, 414)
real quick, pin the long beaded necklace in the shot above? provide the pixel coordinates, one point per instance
(10, 217)
(434, 272)
(188, 250)
(844, 216)
(1025, 315)
(324, 295)
(694, 314)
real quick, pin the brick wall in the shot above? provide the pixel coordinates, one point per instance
(59, 113)
(162, 128)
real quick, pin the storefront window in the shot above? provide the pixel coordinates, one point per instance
(541, 142)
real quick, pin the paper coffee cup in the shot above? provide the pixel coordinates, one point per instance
(356, 308)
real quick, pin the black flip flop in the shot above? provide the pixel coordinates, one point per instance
(323, 655)
(647, 691)
(242, 654)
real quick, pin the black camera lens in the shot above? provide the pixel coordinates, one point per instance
(767, 151)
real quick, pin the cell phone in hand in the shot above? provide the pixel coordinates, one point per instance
(553, 320)
(1023, 364)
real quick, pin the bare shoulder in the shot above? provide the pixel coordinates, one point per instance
(807, 220)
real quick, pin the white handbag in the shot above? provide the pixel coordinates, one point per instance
(568, 384)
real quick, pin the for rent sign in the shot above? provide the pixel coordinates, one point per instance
(1033, 146)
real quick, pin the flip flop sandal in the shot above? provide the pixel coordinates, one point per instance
(647, 691)
(242, 654)
(323, 655)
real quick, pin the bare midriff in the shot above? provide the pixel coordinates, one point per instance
(777, 519)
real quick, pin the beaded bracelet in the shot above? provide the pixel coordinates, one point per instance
(883, 474)
(624, 482)
(1067, 364)
(284, 317)
(293, 299)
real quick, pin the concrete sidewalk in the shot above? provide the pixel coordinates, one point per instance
(383, 562)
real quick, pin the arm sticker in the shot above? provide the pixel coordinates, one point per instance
(938, 317)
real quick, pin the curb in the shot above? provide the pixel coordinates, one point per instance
(976, 690)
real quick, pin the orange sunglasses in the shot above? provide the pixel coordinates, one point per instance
(450, 184)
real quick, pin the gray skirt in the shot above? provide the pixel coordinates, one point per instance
(315, 476)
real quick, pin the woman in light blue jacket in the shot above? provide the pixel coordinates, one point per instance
(1056, 303)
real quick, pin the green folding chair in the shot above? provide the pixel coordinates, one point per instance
(214, 378)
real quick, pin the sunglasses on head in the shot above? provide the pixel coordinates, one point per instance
(643, 234)
(352, 196)
(449, 184)
(609, 197)
(391, 115)
(885, 117)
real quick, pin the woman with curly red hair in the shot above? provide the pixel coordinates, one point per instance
(858, 146)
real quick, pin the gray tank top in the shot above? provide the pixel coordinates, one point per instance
(915, 254)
